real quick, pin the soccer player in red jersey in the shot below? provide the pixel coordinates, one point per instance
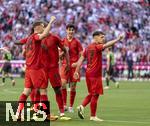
(35, 76)
(50, 59)
(75, 50)
(35, 94)
(93, 55)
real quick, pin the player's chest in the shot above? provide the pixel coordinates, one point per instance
(49, 44)
(92, 53)
(71, 45)
(32, 45)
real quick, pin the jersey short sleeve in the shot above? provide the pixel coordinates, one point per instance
(36, 37)
(85, 53)
(79, 46)
(60, 43)
(24, 40)
(99, 47)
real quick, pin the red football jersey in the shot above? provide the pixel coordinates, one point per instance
(50, 53)
(24, 40)
(75, 48)
(93, 54)
(32, 51)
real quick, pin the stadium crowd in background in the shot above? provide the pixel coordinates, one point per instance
(110, 16)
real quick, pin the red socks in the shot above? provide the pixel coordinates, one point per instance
(64, 95)
(72, 97)
(45, 104)
(87, 100)
(93, 105)
(22, 100)
(93, 99)
(59, 100)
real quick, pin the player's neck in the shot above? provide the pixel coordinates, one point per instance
(69, 38)
(95, 42)
(35, 32)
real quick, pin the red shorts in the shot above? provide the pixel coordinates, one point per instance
(94, 85)
(36, 78)
(54, 77)
(69, 75)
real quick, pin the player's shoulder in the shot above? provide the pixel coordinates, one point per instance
(76, 40)
(53, 37)
(94, 46)
(64, 40)
(33, 36)
(56, 36)
(91, 45)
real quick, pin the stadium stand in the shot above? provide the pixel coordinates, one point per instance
(111, 16)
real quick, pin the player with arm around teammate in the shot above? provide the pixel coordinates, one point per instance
(50, 46)
(35, 76)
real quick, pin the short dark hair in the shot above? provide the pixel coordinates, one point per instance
(36, 23)
(70, 25)
(45, 23)
(96, 33)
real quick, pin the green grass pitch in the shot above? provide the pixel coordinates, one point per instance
(127, 106)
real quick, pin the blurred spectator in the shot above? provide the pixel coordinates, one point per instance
(130, 63)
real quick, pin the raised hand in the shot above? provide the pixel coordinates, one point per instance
(53, 18)
(121, 36)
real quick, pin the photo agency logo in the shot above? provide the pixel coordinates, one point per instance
(26, 113)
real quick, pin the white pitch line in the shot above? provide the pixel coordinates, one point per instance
(140, 122)
(6, 90)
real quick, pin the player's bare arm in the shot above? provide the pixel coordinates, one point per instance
(18, 43)
(47, 29)
(112, 42)
(76, 63)
(79, 63)
(80, 53)
(61, 55)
